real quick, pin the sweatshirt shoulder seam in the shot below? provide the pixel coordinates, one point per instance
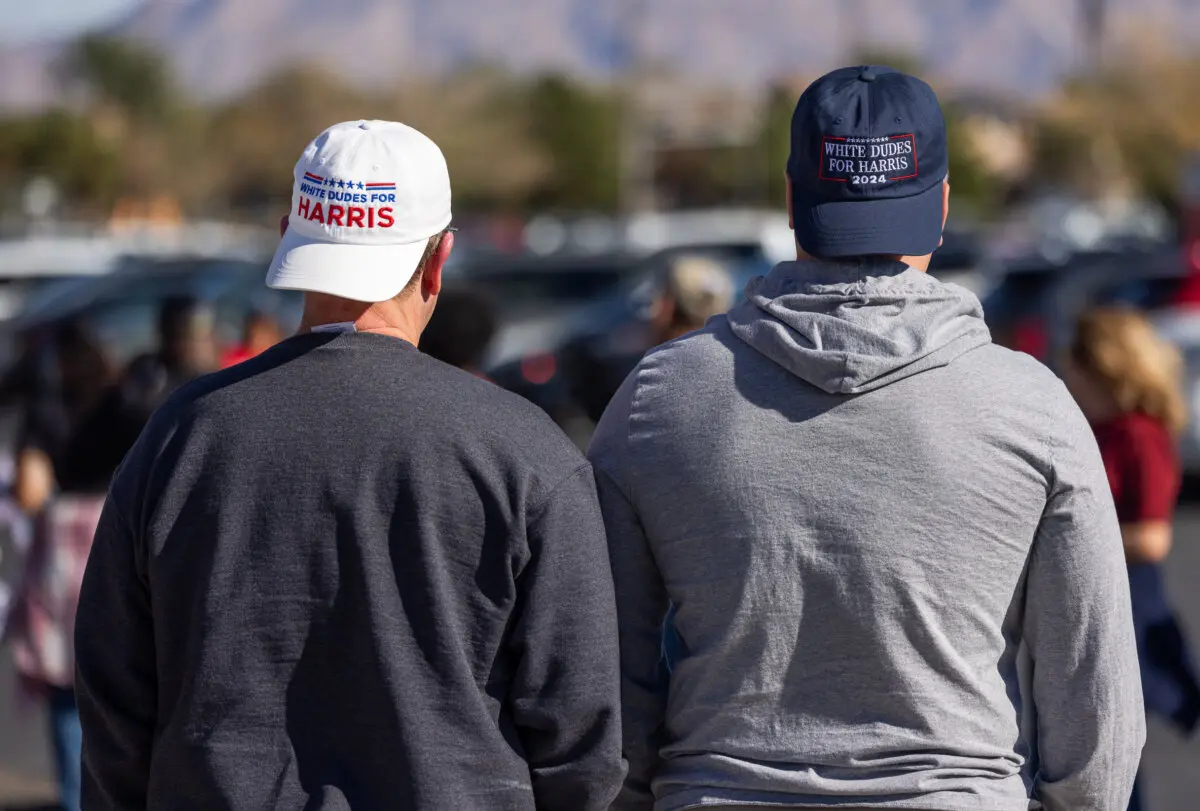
(626, 487)
(1051, 454)
(535, 513)
(620, 487)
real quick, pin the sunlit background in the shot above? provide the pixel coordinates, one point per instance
(147, 146)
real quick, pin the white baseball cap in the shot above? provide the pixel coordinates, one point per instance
(368, 195)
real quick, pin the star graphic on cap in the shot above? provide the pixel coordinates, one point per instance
(329, 181)
(341, 184)
(360, 185)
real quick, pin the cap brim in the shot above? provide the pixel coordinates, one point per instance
(899, 226)
(370, 273)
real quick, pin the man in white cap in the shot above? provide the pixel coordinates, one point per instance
(343, 574)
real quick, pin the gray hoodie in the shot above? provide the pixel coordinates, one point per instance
(893, 555)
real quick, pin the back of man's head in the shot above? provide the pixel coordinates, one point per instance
(370, 209)
(868, 165)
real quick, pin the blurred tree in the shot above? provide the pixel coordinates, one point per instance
(775, 141)
(972, 184)
(134, 111)
(552, 142)
(124, 74)
(480, 118)
(263, 132)
(578, 128)
(692, 177)
(1125, 130)
(65, 148)
(879, 54)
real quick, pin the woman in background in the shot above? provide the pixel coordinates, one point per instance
(64, 502)
(1127, 381)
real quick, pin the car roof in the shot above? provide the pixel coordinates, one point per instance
(481, 267)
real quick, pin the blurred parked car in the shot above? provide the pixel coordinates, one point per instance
(1034, 306)
(572, 376)
(961, 260)
(121, 309)
(541, 301)
(32, 267)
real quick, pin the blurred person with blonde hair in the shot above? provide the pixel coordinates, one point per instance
(1127, 381)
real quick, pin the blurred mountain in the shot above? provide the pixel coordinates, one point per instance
(223, 46)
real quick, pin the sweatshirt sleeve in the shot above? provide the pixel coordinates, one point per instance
(565, 698)
(642, 604)
(1079, 629)
(115, 683)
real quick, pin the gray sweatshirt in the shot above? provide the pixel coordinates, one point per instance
(893, 554)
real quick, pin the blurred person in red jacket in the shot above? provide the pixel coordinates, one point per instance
(1127, 381)
(259, 334)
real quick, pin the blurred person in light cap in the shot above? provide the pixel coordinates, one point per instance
(684, 293)
(693, 290)
(889, 545)
(342, 574)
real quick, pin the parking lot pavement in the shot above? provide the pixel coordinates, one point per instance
(1171, 765)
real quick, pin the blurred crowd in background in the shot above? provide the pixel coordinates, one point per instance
(135, 250)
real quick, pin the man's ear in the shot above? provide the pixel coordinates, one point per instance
(283, 224)
(945, 207)
(791, 217)
(431, 280)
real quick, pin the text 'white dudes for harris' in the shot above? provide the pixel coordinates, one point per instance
(349, 203)
(868, 160)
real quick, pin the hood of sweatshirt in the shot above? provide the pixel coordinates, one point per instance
(849, 328)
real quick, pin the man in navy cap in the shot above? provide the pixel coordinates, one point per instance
(895, 565)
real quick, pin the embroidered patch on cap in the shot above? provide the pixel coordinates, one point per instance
(868, 161)
(346, 203)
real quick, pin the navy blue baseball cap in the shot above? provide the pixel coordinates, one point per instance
(867, 164)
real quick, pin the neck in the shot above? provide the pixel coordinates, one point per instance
(395, 318)
(920, 263)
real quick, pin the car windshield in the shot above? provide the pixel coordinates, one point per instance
(122, 309)
(521, 290)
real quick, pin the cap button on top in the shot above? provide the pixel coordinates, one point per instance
(867, 75)
(364, 125)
